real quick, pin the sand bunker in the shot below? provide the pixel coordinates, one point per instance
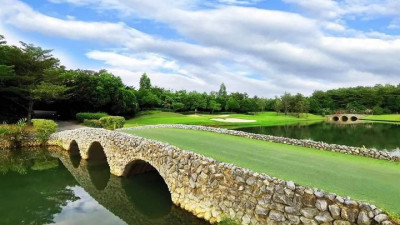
(234, 120)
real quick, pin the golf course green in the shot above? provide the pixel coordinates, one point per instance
(361, 178)
(221, 120)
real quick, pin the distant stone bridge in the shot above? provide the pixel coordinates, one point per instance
(350, 118)
(213, 190)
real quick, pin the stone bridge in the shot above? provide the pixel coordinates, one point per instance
(111, 192)
(345, 118)
(214, 190)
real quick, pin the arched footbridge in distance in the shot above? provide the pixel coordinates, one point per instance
(345, 118)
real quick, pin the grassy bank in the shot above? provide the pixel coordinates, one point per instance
(261, 119)
(364, 179)
(388, 117)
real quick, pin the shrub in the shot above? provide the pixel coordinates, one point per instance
(92, 123)
(44, 128)
(112, 122)
(378, 110)
(89, 116)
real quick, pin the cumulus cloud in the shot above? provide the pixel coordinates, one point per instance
(254, 50)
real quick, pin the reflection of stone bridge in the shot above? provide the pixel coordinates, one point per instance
(345, 118)
(111, 193)
(210, 189)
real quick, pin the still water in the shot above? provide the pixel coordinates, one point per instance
(381, 136)
(38, 186)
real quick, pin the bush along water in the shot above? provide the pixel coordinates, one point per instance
(44, 128)
(89, 116)
(14, 133)
(92, 123)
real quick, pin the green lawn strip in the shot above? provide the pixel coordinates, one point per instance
(389, 117)
(262, 119)
(361, 178)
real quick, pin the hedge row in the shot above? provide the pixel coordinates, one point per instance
(108, 122)
(82, 116)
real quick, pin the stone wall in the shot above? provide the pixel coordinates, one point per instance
(212, 190)
(371, 153)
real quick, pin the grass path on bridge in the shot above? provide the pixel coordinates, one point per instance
(363, 179)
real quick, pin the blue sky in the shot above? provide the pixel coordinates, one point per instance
(262, 47)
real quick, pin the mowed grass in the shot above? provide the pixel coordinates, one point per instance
(388, 117)
(361, 178)
(262, 119)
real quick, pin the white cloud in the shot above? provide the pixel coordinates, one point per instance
(285, 51)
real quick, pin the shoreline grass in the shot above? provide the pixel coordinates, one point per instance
(361, 178)
(384, 118)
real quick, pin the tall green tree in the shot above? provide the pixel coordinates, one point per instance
(232, 104)
(214, 106)
(36, 76)
(286, 100)
(144, 82)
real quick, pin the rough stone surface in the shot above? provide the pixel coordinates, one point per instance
(212, 190)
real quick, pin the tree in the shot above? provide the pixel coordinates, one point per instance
(248, 105)
(232, 104)
(144, 82)
(286, 101)
(261, 103)
(222, 91)
(177, 106)
(278, 105)
(147, 99)
(36, 75)
(214, 106)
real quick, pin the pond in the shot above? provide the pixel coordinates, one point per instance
(40, 186)
(382, 136)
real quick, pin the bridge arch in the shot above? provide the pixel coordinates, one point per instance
(345, 118)
(98, 165)
(141, 172)
(96, 152)
(74, 154)
(353, 118)
(335, 118)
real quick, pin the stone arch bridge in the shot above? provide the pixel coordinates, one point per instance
(213, 190)
(345, 118)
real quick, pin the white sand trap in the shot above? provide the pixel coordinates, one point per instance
(234, 120)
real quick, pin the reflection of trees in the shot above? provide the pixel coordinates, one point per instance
(35, 197)
(371, 135)
(23, 161)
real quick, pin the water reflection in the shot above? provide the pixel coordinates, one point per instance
(99, 173)
(136, 186)
(53, 190)
(371, 135)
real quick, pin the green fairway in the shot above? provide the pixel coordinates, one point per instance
(261, 119)
(389, 117)
(363, 179)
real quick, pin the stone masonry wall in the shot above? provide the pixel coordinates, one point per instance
(371, 153)
(213, 190)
